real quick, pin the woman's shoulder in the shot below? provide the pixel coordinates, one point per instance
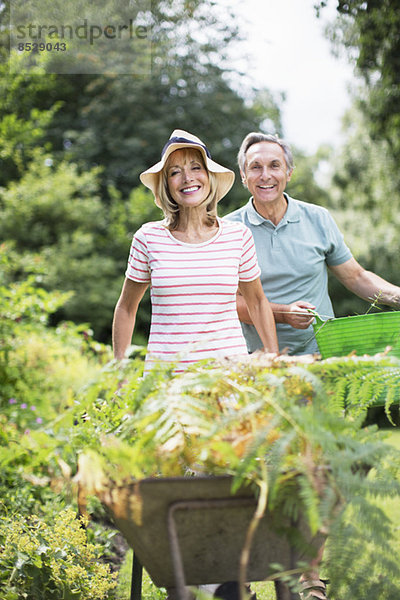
(151, 227)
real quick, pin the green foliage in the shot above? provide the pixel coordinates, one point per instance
(355, 542)
(127, 121)
(51, 559)
(54, 214)
(366, 183)
(40, 368)
(358, 542)
(23, 123)
(278, 423)
(303, 184)
(148, 413)
(369, 31)
(57, 204)
(49, 203)
(365, 171)
(122, 122)
(357, 383)
(149, 590)
(376, 27)
(40, 371)
(363, 195)
(24, 479)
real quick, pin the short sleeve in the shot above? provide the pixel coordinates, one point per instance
(248, 268)
(138, 262)
(338, 251)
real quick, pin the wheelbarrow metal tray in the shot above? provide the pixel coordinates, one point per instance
(364, 334)
(211, 526)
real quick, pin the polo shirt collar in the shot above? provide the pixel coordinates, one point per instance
(292, 214)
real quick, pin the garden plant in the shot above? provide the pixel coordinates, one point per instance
(295, 428)
(76, 425)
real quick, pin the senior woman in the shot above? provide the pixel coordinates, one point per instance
(194, 263)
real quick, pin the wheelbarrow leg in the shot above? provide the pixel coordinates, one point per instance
(283, 592)
(136, 583)
(182, 591)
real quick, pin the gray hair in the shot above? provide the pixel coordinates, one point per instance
(255, 138)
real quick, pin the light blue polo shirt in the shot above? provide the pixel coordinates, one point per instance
(293, 257)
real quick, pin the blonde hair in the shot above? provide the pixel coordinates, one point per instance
(168, 205)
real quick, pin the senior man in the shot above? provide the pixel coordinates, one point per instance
(296, 243)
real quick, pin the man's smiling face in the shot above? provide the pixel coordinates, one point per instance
(266, 174)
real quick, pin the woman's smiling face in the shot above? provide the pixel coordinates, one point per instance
(187, 178)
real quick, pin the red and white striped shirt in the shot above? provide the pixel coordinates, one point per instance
(193, 290)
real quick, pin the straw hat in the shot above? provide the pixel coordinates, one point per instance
(183, 139)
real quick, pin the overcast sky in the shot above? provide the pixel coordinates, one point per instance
(289, 53)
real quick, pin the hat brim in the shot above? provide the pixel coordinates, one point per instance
(224, 177)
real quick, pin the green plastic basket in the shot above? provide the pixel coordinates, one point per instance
(364, 334)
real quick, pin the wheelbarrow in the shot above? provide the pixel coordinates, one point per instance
(191, 531)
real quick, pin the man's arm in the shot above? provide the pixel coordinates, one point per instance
(294, 314)
(261, 314)
(125, 316)
(366, 284)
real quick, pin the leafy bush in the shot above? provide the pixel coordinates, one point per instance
(43, 370)
(279, 423)
(53, 217)
(52, 559)
(292, 426)
(40, 367)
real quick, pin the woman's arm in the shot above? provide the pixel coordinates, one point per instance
(125, 316)
(260, 313)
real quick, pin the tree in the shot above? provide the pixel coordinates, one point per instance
(122, 122)
(304, 182)
(75, 204)
(370, 31)
(128, 122)
(366, 182)
(363, 192)
(54, 213)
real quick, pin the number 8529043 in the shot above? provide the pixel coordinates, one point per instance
(42, 47)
